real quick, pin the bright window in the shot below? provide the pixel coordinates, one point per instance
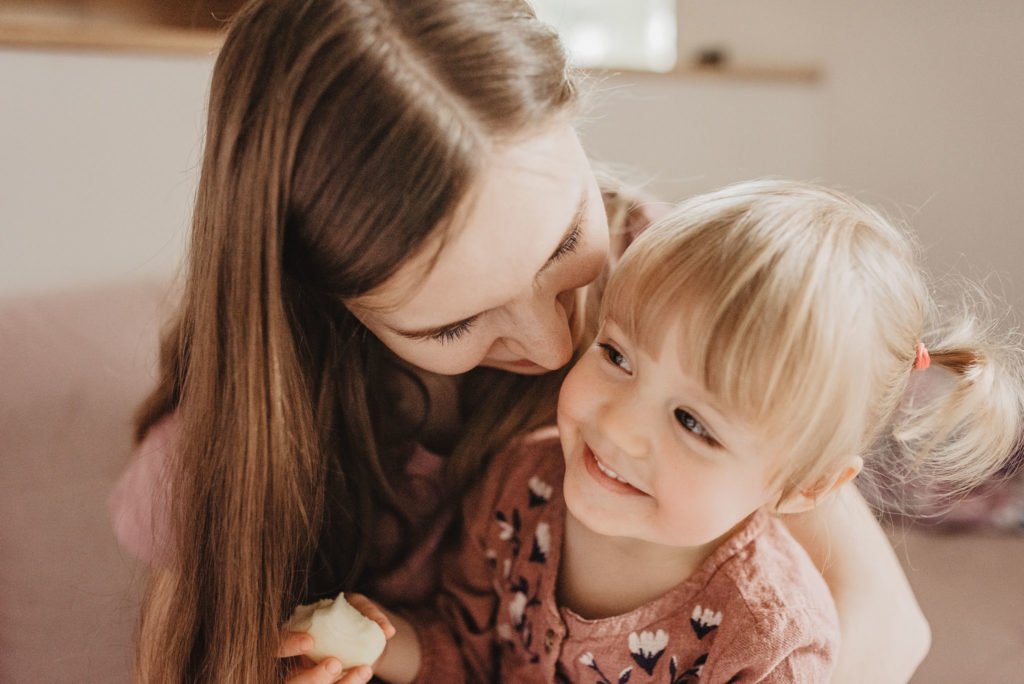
(624, 34)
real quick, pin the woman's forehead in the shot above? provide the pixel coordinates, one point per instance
(502, 235)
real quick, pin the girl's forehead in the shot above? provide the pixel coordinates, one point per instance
(501, 235)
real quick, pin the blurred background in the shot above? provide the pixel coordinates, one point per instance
(916, 106)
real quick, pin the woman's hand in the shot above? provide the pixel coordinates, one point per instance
(330, 670)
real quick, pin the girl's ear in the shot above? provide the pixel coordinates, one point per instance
(807, 498)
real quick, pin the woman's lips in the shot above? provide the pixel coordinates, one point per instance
(601, 474)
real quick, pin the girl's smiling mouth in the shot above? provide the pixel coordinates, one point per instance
(607, 477)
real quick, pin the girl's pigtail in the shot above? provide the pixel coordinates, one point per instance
(961, 420)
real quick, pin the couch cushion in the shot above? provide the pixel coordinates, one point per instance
(73, 367)
(971, 588)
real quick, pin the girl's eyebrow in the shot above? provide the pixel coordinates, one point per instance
(436, 331)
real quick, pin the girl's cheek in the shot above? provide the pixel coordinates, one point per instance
(580, 389)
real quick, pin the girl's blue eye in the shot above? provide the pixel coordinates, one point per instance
(615, 357)
(691, 424)
(453, 334)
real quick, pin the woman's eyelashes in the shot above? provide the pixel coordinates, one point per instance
(615, 357)
(692, 425)
(454, 333)
(568, 245)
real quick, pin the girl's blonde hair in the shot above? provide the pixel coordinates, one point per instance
(341, 136)
(801, 309)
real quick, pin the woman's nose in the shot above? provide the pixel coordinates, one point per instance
(543, 331)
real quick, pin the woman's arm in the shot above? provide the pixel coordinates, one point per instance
(884, 633)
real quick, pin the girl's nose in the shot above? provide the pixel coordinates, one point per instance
(621, 422)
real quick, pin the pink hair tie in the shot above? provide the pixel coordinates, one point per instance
(923, 359)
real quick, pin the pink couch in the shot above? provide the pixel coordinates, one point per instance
(73, 366)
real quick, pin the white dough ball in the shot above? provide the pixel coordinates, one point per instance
(340, 631)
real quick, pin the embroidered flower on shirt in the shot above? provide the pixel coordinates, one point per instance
(647, 647)
(591, 662)
(540, 491)
(704, 620)
(541, 543)
(517, 609)
(693, 671)
(509, 529)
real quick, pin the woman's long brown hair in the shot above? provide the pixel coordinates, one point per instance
(341, 135)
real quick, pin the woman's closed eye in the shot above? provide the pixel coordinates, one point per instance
(454, 333)
(568, 245)
(615, 357)
(691, 424)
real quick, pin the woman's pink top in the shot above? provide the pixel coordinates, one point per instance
(141, 515)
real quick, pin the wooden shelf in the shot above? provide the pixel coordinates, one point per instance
(196, 27)
(730, 72)
(183, 26)
(110, 38)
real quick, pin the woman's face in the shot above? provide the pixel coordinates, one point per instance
(504, 289)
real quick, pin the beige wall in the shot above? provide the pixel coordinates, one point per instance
(925, 112)
(685, 135)
(97, 164)
(920, 109)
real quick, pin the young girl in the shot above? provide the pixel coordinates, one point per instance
(759, 347)
(395, 223)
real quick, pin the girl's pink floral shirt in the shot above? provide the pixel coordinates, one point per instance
(757, 610)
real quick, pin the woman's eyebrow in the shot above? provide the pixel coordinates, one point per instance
(437, 331)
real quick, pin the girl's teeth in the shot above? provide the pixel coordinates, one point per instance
(609, 472)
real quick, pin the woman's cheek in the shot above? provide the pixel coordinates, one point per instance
(428, 355)
(595, 259)
(449, 359)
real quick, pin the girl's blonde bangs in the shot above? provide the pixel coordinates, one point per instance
(746, 281)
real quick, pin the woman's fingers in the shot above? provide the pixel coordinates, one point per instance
(372, 611)
(328, 672)
(294, 644)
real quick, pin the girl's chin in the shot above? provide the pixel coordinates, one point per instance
(586, 513)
